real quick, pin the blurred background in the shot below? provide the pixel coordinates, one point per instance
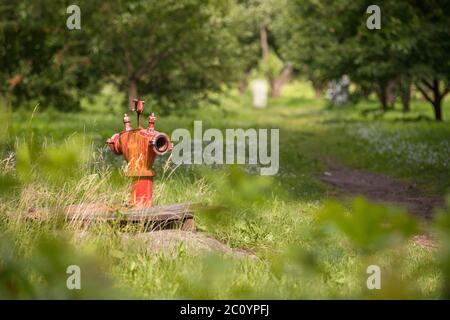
(342, 93)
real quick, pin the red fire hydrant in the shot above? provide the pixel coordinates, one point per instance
(140, 147)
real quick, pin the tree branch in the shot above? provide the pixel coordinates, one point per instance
(428, 84)
(151, 63)
(424, 93)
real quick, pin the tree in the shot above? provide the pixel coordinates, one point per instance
(41, 61)
(260, 45)
(306, 35)
(173, 52)
(277, 75)
(327, 39)
(431, 57)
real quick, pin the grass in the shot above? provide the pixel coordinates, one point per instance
(277, 218)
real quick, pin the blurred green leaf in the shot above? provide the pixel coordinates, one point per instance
(442, 225)
(58, 163)
(23, 163)
(41, 273)
(370, 227)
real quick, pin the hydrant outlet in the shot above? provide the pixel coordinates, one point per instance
(161, 144)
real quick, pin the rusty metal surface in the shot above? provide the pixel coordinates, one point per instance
(135, 145)
(139, 147)
(141, 190)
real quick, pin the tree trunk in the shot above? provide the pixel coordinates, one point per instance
(264, 44)
(132, 92)
(406, 96)
(243, 84)
(278, 84)
(317, 92)
(381, 91)
(386, 93)
(275, 84)
(437, 106)
(437, 100)
(265, 55)
(436, 97)
(390, 93)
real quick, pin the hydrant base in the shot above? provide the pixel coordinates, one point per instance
(141, 192)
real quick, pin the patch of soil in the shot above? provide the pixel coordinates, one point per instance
(425, 240)
(168, 241)
(379, 188)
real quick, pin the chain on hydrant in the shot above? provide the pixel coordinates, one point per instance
(140, 147)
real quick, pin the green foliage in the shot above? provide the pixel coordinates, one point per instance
(273, 65)
(41, 273)
(235, 203)
(442, 225)
(368, 226)
(251, 15)
(41, 61)
(177, 53)
(173, 52)
(5, 119)
(305, 38)
(327, 39)
(8, 181)
(277, 247)
(55, 163)
(239, 188)
(108, 101)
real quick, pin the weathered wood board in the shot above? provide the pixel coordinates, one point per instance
(87, 213)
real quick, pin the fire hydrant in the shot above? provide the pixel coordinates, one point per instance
(140, 147)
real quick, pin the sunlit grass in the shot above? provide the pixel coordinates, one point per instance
(275, 219)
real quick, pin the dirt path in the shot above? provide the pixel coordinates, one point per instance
(379, 188)
(349, 182)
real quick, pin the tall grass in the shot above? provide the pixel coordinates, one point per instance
(305, 246)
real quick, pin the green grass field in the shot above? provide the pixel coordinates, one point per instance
(307, 245)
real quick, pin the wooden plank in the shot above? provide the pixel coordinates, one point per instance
(100, 212)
